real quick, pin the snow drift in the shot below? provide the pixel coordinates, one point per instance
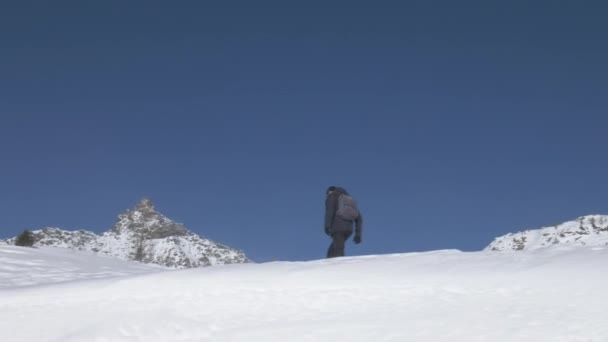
(551, 294)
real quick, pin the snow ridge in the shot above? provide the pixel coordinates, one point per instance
(591, 230)
(145, 235)
(547, 295)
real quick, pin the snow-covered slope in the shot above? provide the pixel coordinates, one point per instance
(143, 234)
(589, 230)
(21, 266)
(551, 294)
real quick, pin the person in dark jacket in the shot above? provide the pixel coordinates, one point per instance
(337, 227)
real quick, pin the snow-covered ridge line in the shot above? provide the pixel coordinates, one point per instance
(590, 230)
(145, 235)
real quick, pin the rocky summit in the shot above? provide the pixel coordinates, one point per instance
(149, 224)
(143, 234)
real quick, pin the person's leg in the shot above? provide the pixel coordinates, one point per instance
(336, 249)
(330, 250)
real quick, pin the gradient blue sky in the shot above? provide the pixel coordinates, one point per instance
(451, 122)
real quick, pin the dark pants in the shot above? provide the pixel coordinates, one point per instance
(336, 249)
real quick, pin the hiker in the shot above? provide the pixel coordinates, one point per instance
(340, 213)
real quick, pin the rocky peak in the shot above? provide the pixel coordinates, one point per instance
(143, 234)
(145, 205)
(147, 223)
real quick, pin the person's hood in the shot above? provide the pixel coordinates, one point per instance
(341, 190)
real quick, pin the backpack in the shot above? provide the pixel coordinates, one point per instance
(347, 208)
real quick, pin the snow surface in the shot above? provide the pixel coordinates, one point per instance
(20, 266)
(550, 294)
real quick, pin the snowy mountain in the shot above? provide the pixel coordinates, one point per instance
(589, 230)
(145, 235)
(550, 294)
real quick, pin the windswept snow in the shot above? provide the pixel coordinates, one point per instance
(20, 266)
(553, 294)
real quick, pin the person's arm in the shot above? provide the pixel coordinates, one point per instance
(359, 225)
(358, 229)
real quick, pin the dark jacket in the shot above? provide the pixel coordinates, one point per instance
(334, 223)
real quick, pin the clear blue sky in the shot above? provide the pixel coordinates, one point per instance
(451, 122)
